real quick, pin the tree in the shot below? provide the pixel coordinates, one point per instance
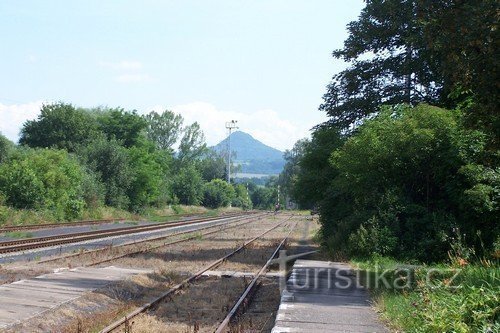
(148, 183)
(217, 193)
(263, 198)
(124, 126)
(187, 186)
(43, 179)
(212, 166)
(59, 126)
(164, 129)
(313, 173)
(192, 145)
(408, 177)
(291, 168)
(111, 162)
(464, 37)
(242, 197)
(390, 64)
(6, 148)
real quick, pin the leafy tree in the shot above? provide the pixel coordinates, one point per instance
(218, 193)
(313, 173)
(263, 198)
(6, 148)
(187, 186)
(402, 177)
(242, 197)
(464, 37)
(212, 166)
(148, 184)
(124, 126)
(291, 168)
(43, 179)
(111, 162)
(164, 129)
(60, 126)
(390, 64)
(192, 145)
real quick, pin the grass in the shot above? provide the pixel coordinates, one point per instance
(18, 234)
(441, 298)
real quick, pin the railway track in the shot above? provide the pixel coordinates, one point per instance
(183, 284)
(219, 228)
(83, 223)
(41, 242)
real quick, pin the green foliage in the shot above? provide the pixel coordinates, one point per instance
(110, 162)
(390, 64)
(218, 193)
(6, 148)
(124, 126)
(49, 179)
(187, 186)
(404, 181)
(242, 197)
(263, 198)
(192, 145)
(435, 304)
(59, 126)
(148, 185)
(314, 173)
(164, 129)
(212, 166)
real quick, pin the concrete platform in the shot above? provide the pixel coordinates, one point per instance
(23, 299)
(325, 297)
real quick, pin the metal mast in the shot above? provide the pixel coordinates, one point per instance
(230, 125)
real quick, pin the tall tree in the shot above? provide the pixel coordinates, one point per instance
(124, 126)
(164, 129)
(390, 64)
(59, 125)
(192, 144)
(6, 147)
(464, 37)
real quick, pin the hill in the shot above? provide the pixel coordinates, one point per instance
(253, 156)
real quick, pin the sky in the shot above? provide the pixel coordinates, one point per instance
(265, 63)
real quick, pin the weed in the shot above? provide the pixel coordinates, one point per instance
(18, 234)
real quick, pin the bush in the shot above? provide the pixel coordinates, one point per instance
(43, 179)
(187, 186)
(110, 162)
(410, 175)
(217, 193)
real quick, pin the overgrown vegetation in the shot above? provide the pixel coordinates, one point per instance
(407, 166)
(73, 163)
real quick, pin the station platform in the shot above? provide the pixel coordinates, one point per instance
(325, 297)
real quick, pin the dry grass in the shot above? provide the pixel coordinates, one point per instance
(11, 273)
(200, 308)
(88, 312)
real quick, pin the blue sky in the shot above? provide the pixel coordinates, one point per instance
(265, 63)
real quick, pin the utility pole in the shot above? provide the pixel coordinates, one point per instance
(230, 125)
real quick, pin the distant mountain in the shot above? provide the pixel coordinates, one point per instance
(253, 156)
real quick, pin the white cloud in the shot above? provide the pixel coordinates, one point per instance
(13, 116)
(264, 125)
(132, 78)
(122, 65)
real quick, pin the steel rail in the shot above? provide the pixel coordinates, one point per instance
(11, 228)
(39, 242)
(243, 219)
(185, 282)
(223, 325)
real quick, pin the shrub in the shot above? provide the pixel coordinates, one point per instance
(217, 193)
(187, 186)
(43, 179)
